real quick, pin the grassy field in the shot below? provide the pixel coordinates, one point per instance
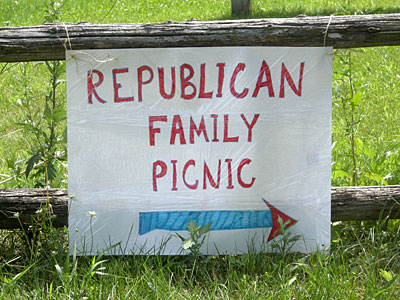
(25, 12)
(364, 261)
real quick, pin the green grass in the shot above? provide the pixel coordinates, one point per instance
(363, 264)
(374, 74)
(28, 12)
(277, 8)
(364, 261)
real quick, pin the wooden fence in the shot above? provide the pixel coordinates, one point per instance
(49, 42)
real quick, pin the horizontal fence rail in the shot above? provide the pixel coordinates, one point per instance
(348, 203)
(49, 41)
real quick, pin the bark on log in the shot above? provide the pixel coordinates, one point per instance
(48, 42)
(365, 202)
(26, 202)
(348, 203)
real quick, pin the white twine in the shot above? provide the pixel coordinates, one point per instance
(326, 30)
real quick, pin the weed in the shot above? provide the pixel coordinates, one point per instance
(47, 149)
(287, 240)
(197, 235)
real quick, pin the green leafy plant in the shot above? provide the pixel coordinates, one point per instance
(365, 150)
(348, 99)
(197, 235)
(48, 151)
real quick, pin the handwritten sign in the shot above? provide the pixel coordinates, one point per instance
(238, 137)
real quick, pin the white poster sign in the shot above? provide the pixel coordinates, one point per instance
(238, 137)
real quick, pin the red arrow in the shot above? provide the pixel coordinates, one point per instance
(276, 213)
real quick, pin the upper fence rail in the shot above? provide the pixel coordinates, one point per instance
(49, 41)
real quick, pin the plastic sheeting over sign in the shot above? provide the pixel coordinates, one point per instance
(238, 137)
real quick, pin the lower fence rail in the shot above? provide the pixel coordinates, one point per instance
(18, 207)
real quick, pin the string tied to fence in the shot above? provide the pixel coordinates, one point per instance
(68, 39)
(327, 28)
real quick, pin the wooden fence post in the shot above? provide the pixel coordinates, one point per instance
(240, 7)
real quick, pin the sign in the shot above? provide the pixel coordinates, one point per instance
(238, 137)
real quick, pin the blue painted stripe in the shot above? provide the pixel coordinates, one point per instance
(221, 219)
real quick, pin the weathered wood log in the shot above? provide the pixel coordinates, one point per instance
(365, 202)
(348, 203)
(18, 206)
(48, 42)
